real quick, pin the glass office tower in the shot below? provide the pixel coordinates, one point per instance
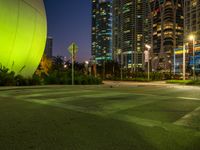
(167, 32)
(192, 27)
(128, 32)
(101, 30)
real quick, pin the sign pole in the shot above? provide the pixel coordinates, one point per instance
(73, 49)
(73, 68)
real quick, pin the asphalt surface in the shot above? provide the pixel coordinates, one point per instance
(115, 115)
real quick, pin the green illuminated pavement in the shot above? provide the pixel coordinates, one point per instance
(100, 118)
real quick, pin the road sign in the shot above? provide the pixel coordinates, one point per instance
(73, 48)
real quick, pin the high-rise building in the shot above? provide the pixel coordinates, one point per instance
(167, 31)
(94, 26)
(128, 32)
(49, 47)
(192, 27)
(192, 17)
(101, 30)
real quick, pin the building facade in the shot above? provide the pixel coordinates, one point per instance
(101, 30)
(192, 18)
(129, 33)
(167, 31)
(192, 27)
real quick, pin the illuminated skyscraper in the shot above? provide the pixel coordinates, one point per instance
(192, 26)
(192, 17)
(101, 30)
(167, 30)
(128, 32)
(94, 26)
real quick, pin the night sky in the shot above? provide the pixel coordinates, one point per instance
(70, 21)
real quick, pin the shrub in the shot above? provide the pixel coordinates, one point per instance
(35, 80)
(6, 78)
(184, 82)
(51, 78)
(55, 77)
(21, 81)
(64, 77)
(142, 76)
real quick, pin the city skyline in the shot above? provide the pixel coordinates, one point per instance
(100, 74)
(70, 22)
(162, 30)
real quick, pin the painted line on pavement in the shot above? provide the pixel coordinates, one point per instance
(188, 98)
(184, 120)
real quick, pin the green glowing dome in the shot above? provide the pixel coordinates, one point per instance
(23, 32)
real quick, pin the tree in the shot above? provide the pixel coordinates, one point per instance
(58, 63)
(45, 66)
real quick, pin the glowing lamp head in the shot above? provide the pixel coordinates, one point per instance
(191, 37)
(147, 46)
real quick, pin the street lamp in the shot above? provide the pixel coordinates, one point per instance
(184, 61)
(147, 54)
(174, 61)
(192, 38)
(94, 63)
(104, 64)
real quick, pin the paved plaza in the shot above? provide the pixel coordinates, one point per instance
(113, 116)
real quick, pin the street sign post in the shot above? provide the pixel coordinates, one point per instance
(73, 49)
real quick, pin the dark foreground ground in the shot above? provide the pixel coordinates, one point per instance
(100, 118)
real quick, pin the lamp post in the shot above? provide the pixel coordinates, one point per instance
(147, 54)
(95, 68)
(104, 64)
(192, 38)
(94, 63)
(183, 61)
(119, 51)
(174, 61)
